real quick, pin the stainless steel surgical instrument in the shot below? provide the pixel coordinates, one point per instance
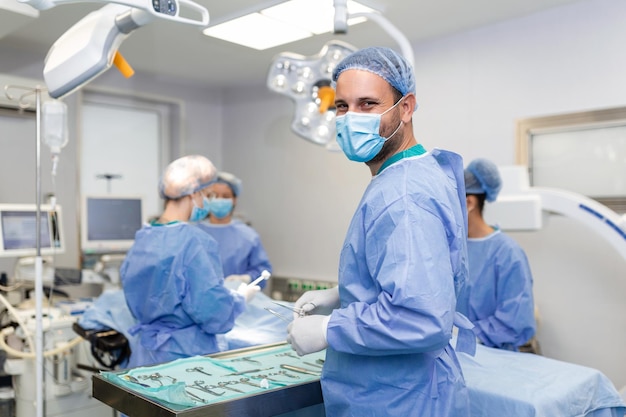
(299, 369)
(197, 369)
(280, 316)
(300, 312)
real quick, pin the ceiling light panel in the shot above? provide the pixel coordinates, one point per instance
(284, 23)
(257, 31)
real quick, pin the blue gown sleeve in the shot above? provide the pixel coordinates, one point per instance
(408, 264)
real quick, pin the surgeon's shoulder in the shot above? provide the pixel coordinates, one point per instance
(242, 229)
(507, 243)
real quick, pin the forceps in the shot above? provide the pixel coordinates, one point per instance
(280, 316)
(197, 369)
(300, 312)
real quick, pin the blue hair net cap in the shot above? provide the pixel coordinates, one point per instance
(384, 62)
(233, 182)
(482, 177)
(187, 175)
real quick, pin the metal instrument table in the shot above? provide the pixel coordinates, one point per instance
(272, 401)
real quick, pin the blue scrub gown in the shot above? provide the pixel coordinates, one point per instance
(498, 297)
(403, 260)
(240, 247)
(173, 284)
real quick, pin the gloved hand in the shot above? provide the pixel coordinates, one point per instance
(318, 301)
(248, 292)
(245, 278)
(308, 334)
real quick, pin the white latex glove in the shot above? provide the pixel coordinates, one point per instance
(308, 334)
(245, 278)
(247, 291)
(318, 301)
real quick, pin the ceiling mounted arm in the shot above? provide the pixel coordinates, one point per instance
(394, 32)
(341, 26)
(341, 17)
(164, 9)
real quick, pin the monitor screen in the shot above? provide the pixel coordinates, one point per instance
(18, 230)
(109, 223)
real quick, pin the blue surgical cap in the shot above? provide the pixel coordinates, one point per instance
(186, 175)
(482, 177)
(229, 179)
(384, 62)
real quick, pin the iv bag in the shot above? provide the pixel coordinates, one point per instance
(54, 124)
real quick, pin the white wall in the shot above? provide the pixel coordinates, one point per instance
(471, 87)
(474, 86)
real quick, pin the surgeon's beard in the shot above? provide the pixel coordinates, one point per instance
(395, 140)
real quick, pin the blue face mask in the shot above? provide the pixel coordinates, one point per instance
(221, 207)
(199, 213)
(358, 134)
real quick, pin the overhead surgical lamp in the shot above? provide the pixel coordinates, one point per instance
(307, 80)
(90, 47)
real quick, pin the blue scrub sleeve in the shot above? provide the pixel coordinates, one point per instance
(408, 259)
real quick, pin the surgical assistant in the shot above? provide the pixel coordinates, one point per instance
(241, 251)
(172, 276)
(498, 298)
(387, 326)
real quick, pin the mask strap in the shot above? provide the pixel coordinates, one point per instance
(397, 128)
(395, 104)
(395, 131)
(193, 200)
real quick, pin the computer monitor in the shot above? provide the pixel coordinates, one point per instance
(109, 223)
(18, 230)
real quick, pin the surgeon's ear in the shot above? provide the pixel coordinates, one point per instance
(408, 107)
(470, 202)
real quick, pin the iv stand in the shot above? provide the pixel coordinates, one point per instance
(39, 358)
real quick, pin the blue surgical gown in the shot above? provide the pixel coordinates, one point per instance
(174, 286)
(402, 261)
(498, 297)
(240, 247)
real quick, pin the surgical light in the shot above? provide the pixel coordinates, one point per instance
(306, 80)
(90, 47)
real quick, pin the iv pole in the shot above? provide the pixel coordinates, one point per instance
(39, 358)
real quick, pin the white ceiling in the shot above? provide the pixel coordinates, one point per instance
(181, 51)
